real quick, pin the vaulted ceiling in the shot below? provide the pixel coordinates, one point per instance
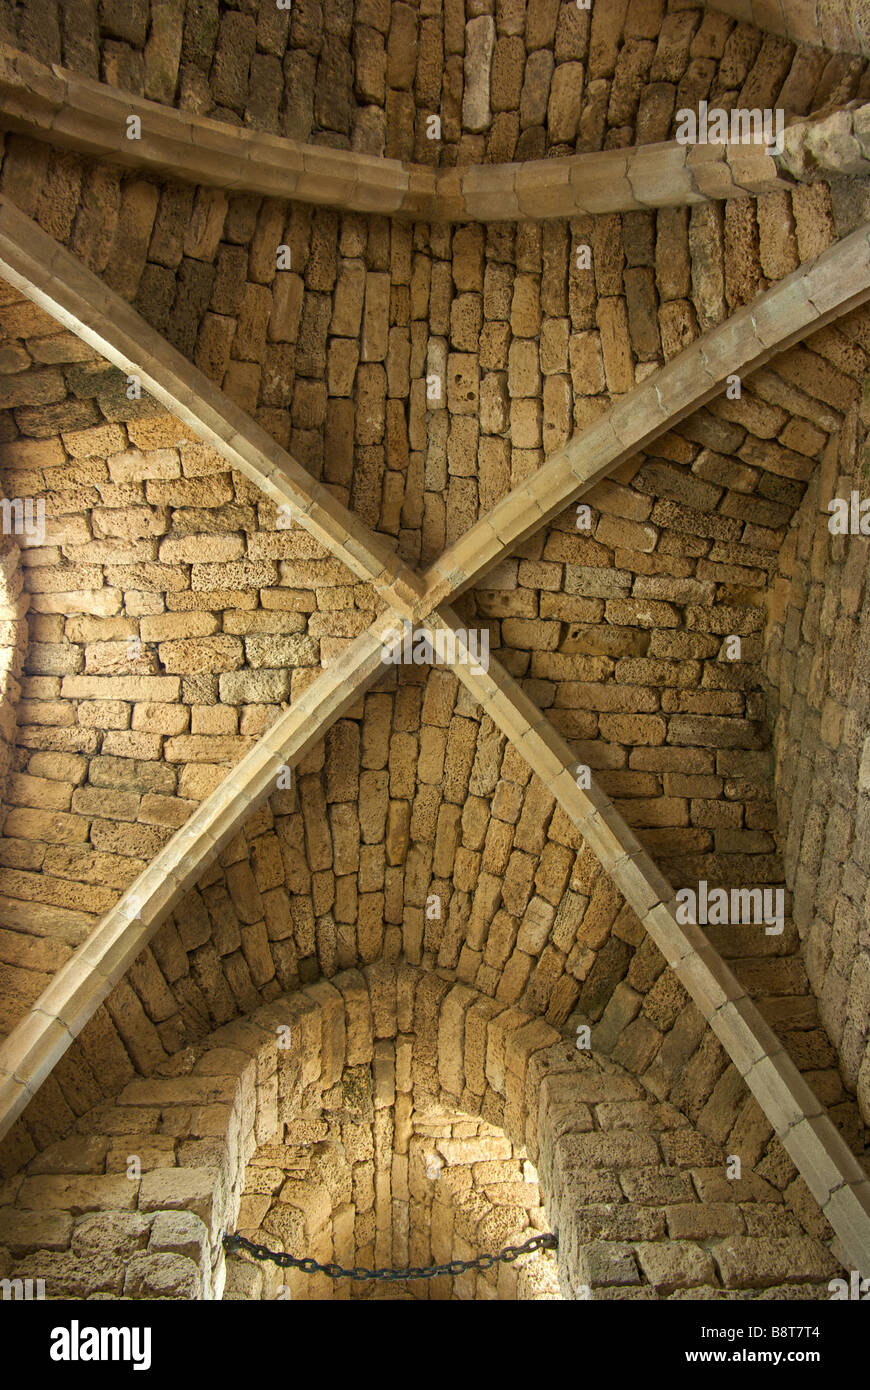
(287, 375)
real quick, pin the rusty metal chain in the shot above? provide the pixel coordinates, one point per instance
(334, 1271)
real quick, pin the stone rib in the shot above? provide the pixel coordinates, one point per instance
(812, 296)
(83, 982)
(841, 28)
(90, 117)
(56, 280)
(831, 1171)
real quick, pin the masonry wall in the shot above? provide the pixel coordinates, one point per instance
(508, 80)
(816, 664)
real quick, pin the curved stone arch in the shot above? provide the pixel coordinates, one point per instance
(840, 28)
(627, 1179)
(92, 117)
(831, 26)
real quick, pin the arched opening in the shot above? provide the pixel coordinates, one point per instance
(391, 1181)
(269, 1119)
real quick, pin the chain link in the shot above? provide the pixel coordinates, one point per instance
(334, 1271)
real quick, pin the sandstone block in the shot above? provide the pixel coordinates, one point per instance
(479, 46)
(463, 383)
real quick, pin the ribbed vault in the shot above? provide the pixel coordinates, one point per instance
(439, 821)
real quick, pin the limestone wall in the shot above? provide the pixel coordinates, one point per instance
(508, 80)
(815, 662)
(364, 861)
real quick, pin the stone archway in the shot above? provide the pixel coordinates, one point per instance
(384, 1178)
(640, 1198)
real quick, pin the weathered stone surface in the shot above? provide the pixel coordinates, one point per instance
(479, 45)
(173, 606)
